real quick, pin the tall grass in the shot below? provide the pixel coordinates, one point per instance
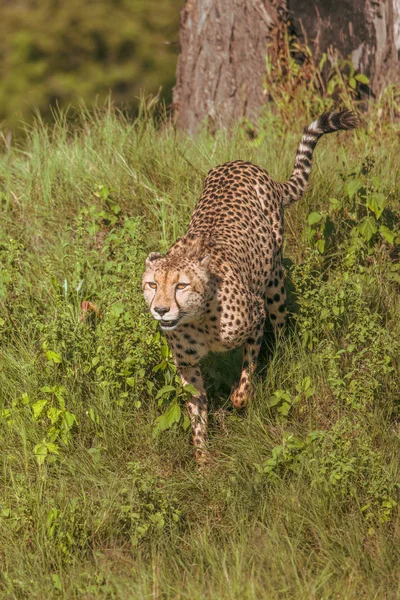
(113, 511)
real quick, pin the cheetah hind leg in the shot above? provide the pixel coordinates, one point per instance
(275, 301)
(251, 350)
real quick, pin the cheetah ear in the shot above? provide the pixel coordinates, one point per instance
(152, 257)
(205, 261)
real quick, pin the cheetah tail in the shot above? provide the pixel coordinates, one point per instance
(294, 188)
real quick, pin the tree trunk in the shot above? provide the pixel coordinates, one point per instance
(224, 43)
(362, 30)
(222, 62)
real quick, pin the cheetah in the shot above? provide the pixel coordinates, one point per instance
(214, 288)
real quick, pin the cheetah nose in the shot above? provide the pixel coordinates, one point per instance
(161, 310)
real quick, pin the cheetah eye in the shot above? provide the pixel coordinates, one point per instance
(152, 285)
(181, 286)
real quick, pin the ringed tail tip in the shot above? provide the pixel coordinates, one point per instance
(334, 121)
(328, 122)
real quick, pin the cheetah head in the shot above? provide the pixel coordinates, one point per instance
(176, 288)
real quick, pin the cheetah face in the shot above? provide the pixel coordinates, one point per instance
(175, 293)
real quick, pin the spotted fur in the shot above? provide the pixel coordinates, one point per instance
(216, 285)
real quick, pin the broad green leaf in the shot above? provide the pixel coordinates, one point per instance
(165, 351)
(331, 86)
(93, 228)
(69, 419)
(278, 396)
(352, 83)
(284, 409)
(53, 413)
(376, 202)
(190, 389)
(362, 78)
(335, 203)
(52, 447)
(40, 451)
(60, 398)
(158, 520)
(117, 309)
(38, 408)
(353, 186)
(159, 425)
(313, 435)
(24, 398)
(173, 414)
(53, 356)
(130, 381)
(386, 234)
(314, 217)
(165, 390)
(56, 582)
(6, 414)
(93, 416)
(294, 443)
(376, 181)
(367, 228)
(274, 400)
(320, 246)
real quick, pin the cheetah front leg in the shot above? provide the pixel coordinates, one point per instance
(197, 410)
(188, 348)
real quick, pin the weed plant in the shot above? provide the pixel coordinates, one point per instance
(100, 497)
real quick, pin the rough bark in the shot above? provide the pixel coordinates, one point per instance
(224, 44)
(222, 62)
(363, 30)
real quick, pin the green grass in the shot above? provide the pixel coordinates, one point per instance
(300, 500)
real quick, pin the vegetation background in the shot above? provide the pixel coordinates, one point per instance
(64, 53)
(99, 495)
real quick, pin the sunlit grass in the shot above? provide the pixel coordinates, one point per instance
(73, 527)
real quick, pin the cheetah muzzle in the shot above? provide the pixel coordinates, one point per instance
(214, 288)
